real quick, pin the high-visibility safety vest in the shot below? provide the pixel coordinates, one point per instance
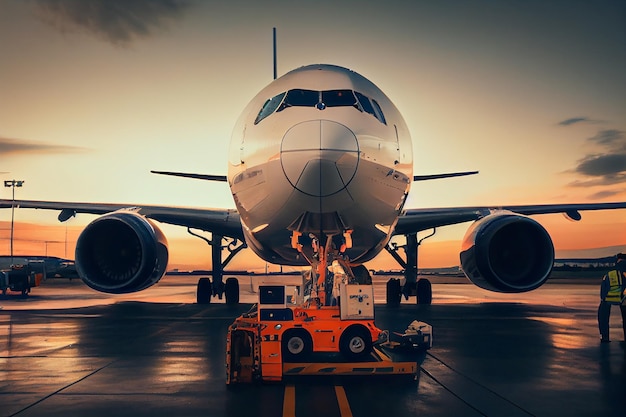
(615, 287)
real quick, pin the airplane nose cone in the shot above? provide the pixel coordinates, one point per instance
(319, 157)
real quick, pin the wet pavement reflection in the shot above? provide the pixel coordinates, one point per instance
(69, 351)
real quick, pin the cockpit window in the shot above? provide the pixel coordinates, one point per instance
(269, 107)
(335, 98)
(379, 112)
(320, 100)
(365, 103)
(303, 98)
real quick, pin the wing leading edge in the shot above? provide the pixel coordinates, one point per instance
(415, 220)
(225, 222)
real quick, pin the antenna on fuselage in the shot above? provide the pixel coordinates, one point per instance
(275, 70)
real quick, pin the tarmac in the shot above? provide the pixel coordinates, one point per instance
(68, 350)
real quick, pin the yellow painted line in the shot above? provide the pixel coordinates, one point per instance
(289, 401)
(342, 399)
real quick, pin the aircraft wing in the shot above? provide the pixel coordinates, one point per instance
(415, 220)
(225, 222)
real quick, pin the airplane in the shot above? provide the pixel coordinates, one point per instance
(320, 165)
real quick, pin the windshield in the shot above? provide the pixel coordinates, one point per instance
(269, 107)
(321, 100)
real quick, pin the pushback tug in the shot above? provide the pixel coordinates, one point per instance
(287, 334)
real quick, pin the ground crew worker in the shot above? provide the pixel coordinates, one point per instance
(622, 308)
(612, 292)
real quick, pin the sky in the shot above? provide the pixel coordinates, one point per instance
(97, 93)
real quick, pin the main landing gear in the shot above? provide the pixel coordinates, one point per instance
(218, 288)
(422, 288)
(206, 289)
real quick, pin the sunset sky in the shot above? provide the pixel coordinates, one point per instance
(95, 94)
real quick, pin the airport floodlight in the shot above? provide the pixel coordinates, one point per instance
(13, 184)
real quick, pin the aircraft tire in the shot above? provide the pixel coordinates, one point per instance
(355, 342)
(296, 345)
(361, 274)
(424, 291)
(393, 292)
(231, 288)
(203, 292)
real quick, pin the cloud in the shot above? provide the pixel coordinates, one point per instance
(116, 21)
(602, 165)
(604, 194)
(599, 181)
(575, 120)
(613, 139)
(607, 166)
(20, 147)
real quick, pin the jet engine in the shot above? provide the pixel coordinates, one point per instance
(507, 252)
(121, 252)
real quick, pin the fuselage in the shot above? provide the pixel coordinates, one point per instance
(319, 152)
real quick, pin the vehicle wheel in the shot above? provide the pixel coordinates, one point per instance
(393, 292)
(355, 343)
(424, 291)
(203, 292)
(296, 346)
(232, 290)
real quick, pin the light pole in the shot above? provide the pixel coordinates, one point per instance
(13, 184)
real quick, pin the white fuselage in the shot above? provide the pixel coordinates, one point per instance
(321, 151)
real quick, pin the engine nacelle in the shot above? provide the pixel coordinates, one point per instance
(121, 252)
(507, 252)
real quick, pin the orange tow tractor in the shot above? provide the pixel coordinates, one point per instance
(283, 335)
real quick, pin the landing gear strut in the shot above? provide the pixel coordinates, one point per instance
(421, 288)
(206, 288)
(323, 252)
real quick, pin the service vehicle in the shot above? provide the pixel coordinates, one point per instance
(285, 335)
(21, 278)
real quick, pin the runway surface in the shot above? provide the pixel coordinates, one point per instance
(67, 350)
